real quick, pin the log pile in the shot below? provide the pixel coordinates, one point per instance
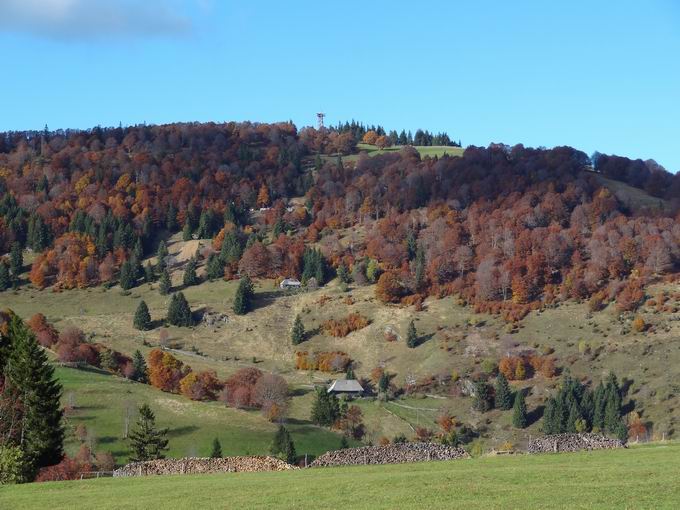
(572, 443)
(390, 454)
(194, 465)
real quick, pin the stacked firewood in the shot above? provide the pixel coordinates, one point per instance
(390, 454)
(572, 443)
(193, 465)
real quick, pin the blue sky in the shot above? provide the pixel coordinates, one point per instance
(597, 75)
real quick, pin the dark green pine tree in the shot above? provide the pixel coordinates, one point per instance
(325, 408)
(187, 231)
(411, 244)
(171, 218)
(599, 403)
(28, 370)
(350, 372)
(519, 411)
(5, 280)
(412, 336)
(16, 263)
(142, 320)
(344, 444)
(279, 227)
(216, 452)
(179, 313)
(164, 283)
(146, 441)
(190, 276)
(574, 416)
(162, 255)
(244, 296)
(550, 425)
(384, 383)
(149, 273)
(127, 279)
(283, 446)
(504, 398)
(139, 369)
(214, 267)
(297, 334)
(482, 399)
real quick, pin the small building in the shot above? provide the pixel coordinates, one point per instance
(346, 387)
(290, 283)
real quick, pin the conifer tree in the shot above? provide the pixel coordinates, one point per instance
(179, 313)
(216, 452)
(5, 280)
(412, 336)
(344, 444)
(190, 276)
(127, 280)
(187, 231)
(297, 334)
(350, 372)
(343, 274)
(164, 283)
(149, 273)
(16, 260)
(214, 267)
(146, 441)
(420, 268)
(283, 446)
(519, 411)
(503, 398)
(162, 255)
(27, 370)
(139, 369)
(171, 218)
(384, 383)
(142, 320)
(325, 409)
(244, 296)
(482, 399)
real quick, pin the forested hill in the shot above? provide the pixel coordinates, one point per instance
(504, 227)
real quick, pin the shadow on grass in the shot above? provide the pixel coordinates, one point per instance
(180, 431)
(534, 415)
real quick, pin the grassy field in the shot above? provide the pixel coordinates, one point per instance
(640, 478)
(103, 401)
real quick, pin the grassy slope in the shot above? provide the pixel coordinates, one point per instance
(101, 402)
(635, 478)
(650, 359)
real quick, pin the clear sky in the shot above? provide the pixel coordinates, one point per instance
(597, 75)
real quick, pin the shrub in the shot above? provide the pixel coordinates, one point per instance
(343, 327)
(13, 465)
(639, 324)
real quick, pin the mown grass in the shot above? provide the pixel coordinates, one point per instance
(102, 402)
(644, 477)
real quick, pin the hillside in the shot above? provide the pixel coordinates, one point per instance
(579, 480)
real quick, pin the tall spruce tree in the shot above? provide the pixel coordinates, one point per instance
(412, 336)
(214, 267)
(139, 369)
(164, 283)
(187, 231)
(5, 280)
(179, 313)
(162, 255)
(297, 334)
(146, 441)
(28, 371)
(283, 446)
(503, 398)
(190, 277)
(420, 268)
(127, 279)
(142, 320)
(519, 411)
(244, 295)
(216, 452)
(325, 408)
(482, 399)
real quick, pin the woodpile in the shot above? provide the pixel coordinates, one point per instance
(194, 465)
(572, 443)
(390, 454)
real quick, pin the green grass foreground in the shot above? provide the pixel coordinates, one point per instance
(642, 477)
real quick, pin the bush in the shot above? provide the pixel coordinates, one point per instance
(343, 327)
(13, 465)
